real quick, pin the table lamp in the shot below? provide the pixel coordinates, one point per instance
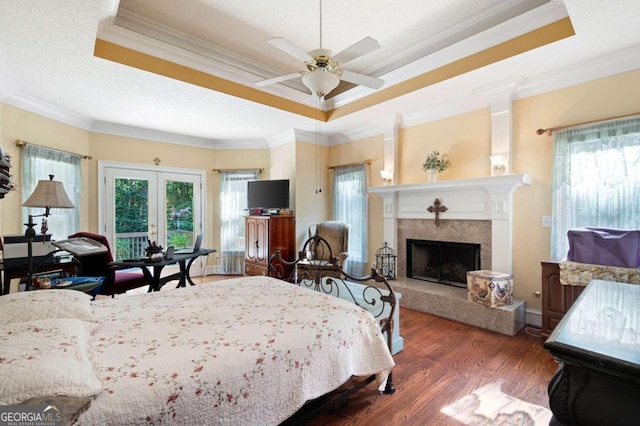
(49, 194)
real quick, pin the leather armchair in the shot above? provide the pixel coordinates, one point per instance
(116, 280)
(336, 234)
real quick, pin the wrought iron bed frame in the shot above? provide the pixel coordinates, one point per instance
(326, 276)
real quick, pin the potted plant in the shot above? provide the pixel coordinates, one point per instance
(434, 164)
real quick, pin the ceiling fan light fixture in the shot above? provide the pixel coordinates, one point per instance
(320, 81)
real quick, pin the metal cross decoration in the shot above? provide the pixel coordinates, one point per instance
(438, 208)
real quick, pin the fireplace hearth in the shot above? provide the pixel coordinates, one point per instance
(442, 262)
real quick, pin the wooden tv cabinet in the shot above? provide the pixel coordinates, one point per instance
(263, 236)
(556, 298)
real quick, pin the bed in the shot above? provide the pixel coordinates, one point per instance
(248, 350)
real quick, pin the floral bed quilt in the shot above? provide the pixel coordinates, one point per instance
(243, 351)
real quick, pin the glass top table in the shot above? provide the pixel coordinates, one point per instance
(602, 328)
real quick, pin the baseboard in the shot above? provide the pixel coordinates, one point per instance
(533, 317)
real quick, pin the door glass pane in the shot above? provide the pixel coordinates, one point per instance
(131, 218)
(179, 210)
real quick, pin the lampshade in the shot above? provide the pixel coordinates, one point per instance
(320, 81)
(49, 193)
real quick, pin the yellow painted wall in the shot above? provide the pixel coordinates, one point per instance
(465, 137)
(20, 124)
(313, 193)
(609, 97)
(283, 166)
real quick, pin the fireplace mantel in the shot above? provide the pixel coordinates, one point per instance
(487, 198)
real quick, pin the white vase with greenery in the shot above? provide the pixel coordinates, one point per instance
(434, 164)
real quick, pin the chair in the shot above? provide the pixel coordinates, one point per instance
(336, 235)
(97, 265)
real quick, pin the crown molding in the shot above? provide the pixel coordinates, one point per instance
(593, 69)
(152, 38)
(583, 72)
(312, 137)
(48, 110)
(284, 138)
(174, 138)
(148, 134)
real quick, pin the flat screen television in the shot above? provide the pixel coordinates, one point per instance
(268, 194)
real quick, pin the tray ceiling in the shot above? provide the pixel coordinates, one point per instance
(186, 71)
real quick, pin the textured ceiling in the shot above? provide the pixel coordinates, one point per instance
(47, 61)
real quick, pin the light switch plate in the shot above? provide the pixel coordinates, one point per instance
(546, 221)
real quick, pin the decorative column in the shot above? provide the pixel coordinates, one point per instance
(500, 97)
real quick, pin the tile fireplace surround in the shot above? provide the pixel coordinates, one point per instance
(478, 211)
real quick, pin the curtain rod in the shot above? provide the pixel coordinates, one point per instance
(260, 170)
(21, 143)
(367, 162)
(550, 130)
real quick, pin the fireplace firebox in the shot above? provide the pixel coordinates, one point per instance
(442, 262)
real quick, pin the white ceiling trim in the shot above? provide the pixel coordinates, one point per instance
(313, 137)
(618, 62)
(48, 110)
(151, 38)
(625, 60)
(149, 134)
(601, 67)
(437, 57)
(521, 18)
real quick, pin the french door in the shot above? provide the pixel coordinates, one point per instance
(146, 206)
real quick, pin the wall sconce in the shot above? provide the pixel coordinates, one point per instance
(387, 177)
(497, 165)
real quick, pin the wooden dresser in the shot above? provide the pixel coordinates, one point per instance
(556, 298)
(263, 236)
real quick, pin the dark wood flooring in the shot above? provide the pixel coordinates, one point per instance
(443, 361)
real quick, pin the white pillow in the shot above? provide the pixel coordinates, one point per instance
(46, 358)
(45, 304)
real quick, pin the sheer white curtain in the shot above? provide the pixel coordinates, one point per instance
(37, 163)
(233, 203)
(350, 206)
(596, 180)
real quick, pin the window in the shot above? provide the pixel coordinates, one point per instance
(350, 206)
(233, 203)
(596, 180)
(37, 163)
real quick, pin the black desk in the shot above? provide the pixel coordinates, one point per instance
(17, 269)
(155, 281)
(597, 345)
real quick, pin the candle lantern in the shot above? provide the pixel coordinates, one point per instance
(386, 261)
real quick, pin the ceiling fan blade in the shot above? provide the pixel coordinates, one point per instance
(356, 50)
(290, 49)
(362, 80)
(277, 79)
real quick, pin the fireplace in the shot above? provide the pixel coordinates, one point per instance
(479, 211)
(443, 262)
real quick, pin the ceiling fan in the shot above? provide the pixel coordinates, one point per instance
(323, 68)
